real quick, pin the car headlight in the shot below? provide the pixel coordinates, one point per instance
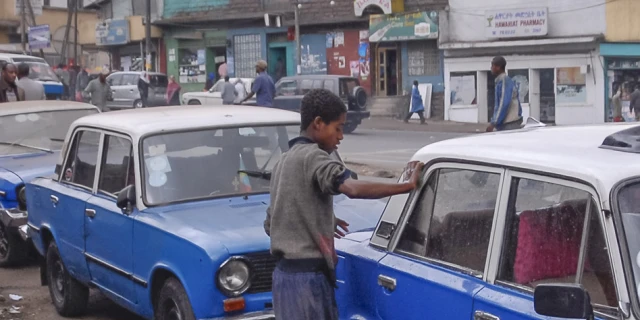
(234, 277)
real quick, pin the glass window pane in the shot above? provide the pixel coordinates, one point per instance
(117, 165)
(81, 165)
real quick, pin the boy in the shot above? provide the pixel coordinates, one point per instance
(300, 219)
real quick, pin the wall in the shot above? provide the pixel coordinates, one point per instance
(566, 17)
(313, 54)
(136, 29)
(351, 57)
(407, 80)
(622, 21)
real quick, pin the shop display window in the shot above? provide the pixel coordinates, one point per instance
(463, 88)
(192, 65)
(571, 85)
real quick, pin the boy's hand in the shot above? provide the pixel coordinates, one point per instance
(413, 173)
(341, 224)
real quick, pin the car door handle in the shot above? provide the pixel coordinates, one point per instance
(54, 199)
(90, 213)
(481, 315)
(387, 282)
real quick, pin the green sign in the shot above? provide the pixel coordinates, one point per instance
(405, 26)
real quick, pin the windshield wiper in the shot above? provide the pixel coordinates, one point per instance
(26, 146)
(266, 175)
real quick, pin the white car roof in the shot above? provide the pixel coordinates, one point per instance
(572, 151)
(13, 55)
(11, 108)
(139, 122)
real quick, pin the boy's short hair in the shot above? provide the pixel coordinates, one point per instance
(320, 103)
(500, 62)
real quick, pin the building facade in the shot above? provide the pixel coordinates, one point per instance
(551, 54)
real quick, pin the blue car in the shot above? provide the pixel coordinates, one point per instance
(40, 71)
(162, 210)
(31, 137)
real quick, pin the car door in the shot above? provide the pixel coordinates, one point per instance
(109, 231)
(542, 241)
(128, 89)
(437, 260)
(158, 90)
(68, 199)
(114, 81)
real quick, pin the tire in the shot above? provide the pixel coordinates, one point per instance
(13, 250)
(173, 302)
(137, 104)
(69, 296)
(349, 127)
(194, 102)
(358, 99)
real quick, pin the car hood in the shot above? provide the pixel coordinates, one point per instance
(237, 223)
(30, 165)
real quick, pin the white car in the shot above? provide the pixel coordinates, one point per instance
(214, 95)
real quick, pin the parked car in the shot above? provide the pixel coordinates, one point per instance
(290, 90)
(40, 71)
(124, 88)
(31, 137)
(162, 210)
(528, 224)
(214, 95)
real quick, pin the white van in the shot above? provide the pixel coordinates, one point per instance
(40, 71)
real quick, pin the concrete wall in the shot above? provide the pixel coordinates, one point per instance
(566, 17)
(623, 23)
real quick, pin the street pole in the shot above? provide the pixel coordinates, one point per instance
(23, 16)
(296, 13)
(75, 34)
(147, 31)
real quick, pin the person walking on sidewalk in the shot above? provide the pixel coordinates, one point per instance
(263, 87)
(32, 90)
(99, 91)
(417, 106)
(507, 114)
(143, 88)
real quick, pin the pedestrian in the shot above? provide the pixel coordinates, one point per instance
(73, 75)
(263, 87)
(99, 91)
(173, 92)
(507, 114)
(63, 76)
(229, 93)
(210, 81)
(300, 219)
(634, 105)
(417, 106)
(241, 91)
(616, 104)
(82, 80)
(9, 90)
(143, 89)
(32, 90)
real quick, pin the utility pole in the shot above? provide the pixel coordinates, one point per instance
(23, 16)
(75, 34)
(65, 41)
(296, 14)
(147, 31)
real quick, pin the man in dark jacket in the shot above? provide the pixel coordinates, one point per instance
(143, 88)
(9, 90)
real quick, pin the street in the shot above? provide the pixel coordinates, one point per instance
(367, 150)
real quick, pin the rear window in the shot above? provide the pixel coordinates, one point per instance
(286, 87)
(347, 85)
(159, 81)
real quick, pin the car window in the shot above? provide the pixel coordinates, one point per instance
(453, 217)
(81, 161)
(129, 79)
(328, 84)
(543, 240)
(317, 84)
(114, 79)
(116, 170)
(305, 86)
(286, 88)
(159, 80)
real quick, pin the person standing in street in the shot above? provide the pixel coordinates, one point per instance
(616, 105)
(143, 88)
(32, 90)
(210, 81)
(82, 80)
(229, 93)
(300, 219)
(507, 114)
(100, 91)
(241, 91)
(417, 106)
(73, 75)
(634, 105)
(263, 87)
(9, 90)
(173, 92)
(63, 75)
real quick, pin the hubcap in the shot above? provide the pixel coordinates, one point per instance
(58, 279)
(173, 312)
(4, 242)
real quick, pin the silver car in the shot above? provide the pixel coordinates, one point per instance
(124, 88)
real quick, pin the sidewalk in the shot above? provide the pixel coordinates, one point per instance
(414, 125)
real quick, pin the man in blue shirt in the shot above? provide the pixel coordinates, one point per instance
(263, 87)
(507, 114)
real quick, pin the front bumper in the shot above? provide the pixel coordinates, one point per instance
(13, 218)
(260, 315)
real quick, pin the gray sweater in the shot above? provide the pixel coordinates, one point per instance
(300, 219)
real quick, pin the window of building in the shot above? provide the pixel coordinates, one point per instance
(424, 58)
(192, 65)
(247, 51)
(453, 217)
(571, 85)
(521, 78)
(463, 88)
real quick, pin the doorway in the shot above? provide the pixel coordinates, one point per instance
(280, 62)
(387, 72)
(547, 96)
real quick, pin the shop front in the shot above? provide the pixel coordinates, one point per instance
(124, 39)
(622, 74)
(348, 54)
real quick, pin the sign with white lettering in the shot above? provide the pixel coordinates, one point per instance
(517, 23)
(360, 5)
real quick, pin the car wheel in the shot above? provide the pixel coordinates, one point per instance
(194, 102)
(349, 127)
(69, 296)
(13, 250)
(173, 302)
(137, 104)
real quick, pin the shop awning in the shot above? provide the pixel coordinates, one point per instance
(518, 43)
(403, 27)
(620, 49)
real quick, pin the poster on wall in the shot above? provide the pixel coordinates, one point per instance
(352, 58)
(314, 54)
(192, 67)
(463, 89)
(521, 78)
(571, 85)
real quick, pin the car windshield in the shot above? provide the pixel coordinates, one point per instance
(629, 206)
(210, 163)
(38, 131)
(40, 71)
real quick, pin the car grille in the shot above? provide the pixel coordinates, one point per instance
(262, 266)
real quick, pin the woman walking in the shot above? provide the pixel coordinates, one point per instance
(416, 104)
(173, 92)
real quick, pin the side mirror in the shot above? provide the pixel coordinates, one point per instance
(127, 199)
(354, 175)
(562, 301)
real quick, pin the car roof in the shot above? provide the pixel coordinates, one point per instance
(13, 55)
(139, 122)
(42, 106)
(318, 77)
(572, 151)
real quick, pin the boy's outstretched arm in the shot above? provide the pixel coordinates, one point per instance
(356, 189)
